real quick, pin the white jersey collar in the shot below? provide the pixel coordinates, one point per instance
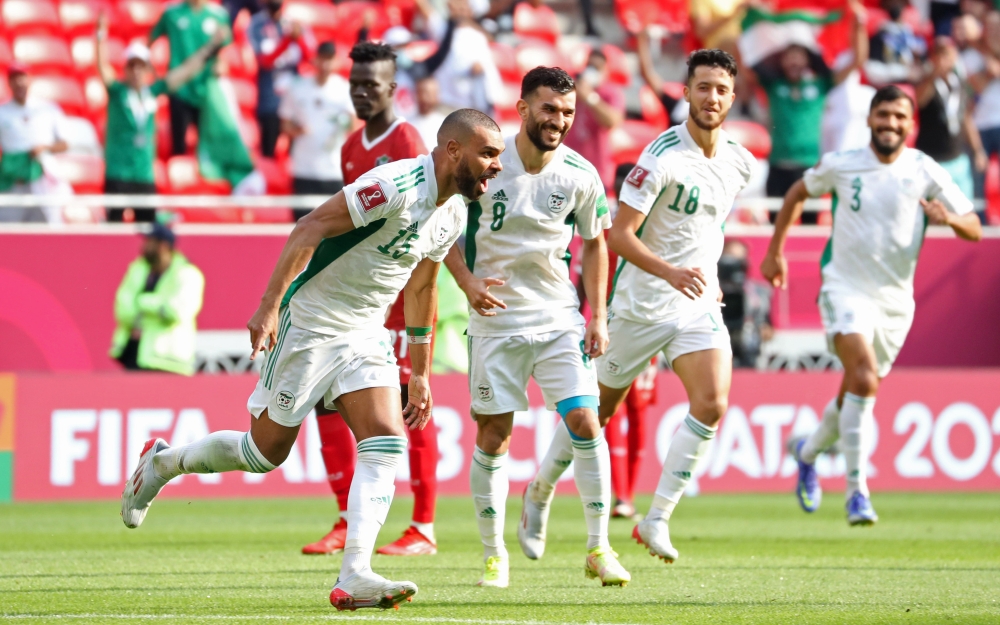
(378, 139)
(515, 158)
(691, 144)
(427, 160)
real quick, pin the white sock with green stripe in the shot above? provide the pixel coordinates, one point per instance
(855, 423)
(592, 472)
(824, 436)
(489, 484)
(557, 460)
(219, 452)
(371, 495)
(688, 445)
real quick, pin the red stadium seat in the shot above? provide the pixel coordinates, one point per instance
(506, 61)
(652, 108)
(79, 17)
(536, 22)
(44, 54)
(84, 59)
(321, 18)
(246, 94)
(62, 90)
(635, 15)
(630, 139)
(160, 176)
(185, 178)
(136, 18)
(6, 56)
(993, 192)
(4, 88)
(85, 173)
(279, 181)
(351, 16)
(618, 71)
(531, 54)
(250, 132)
(400, 12)
(96, 96)
(240, 60)
(30, 17)
(750, 135)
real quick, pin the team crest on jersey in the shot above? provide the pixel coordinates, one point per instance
(285, 400)
(557, 201)
(614, 368)
(382, 160)
(636, 176)
(485, 392)
(371, 197)
(442, 234)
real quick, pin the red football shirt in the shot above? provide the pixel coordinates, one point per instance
(358, 156)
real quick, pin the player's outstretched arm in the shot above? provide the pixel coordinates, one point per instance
(774, 267)
(419, 305)
(595, 285)
(476, 290)
(966, 226)
(329, 220)
(622, 240)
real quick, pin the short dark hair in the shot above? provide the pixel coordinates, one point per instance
(370, 52)
(890, 93)
(326, 49)
(555, 78)
(597, 53)
(463, 122)
(711, 58)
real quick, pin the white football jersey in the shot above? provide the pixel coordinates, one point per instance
(520, 232)
(878, 222)
(352, 279)
(686, 198)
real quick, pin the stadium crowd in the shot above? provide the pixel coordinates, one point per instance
(251, 98)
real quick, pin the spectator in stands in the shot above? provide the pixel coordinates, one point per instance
(30, 129)
(156, 308)
(716, 23)
(279, 47)
(674, 104)
(430, 113)
(982, 64)
(947, 132)
(188, 26)
(468, 76)
(797, 81)
(130, 139)
(746, 304)
(317, 115)
(897, 53)
(408, 71)
(600, 108)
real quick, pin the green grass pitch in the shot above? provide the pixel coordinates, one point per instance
(744, 559)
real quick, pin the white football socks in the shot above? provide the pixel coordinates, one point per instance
(489, 483)
(825, 435)
(427, 529)
(368, 502)
(557, 459)
(219, 452)
(855, 422)
(688, 445)
(593, 482)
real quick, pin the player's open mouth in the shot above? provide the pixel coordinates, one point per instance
(484, 182)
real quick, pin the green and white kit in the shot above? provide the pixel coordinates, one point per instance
(331, 336)
(878, 230)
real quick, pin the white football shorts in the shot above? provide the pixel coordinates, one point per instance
(632, 344)
(883, 325)
(306, 366)
(499, 368)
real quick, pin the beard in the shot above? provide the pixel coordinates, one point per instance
(705, 124)
(886, 149)
(466, 181)
(534, 131)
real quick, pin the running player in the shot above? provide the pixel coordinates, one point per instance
(530, 324)
(321, 320)
(884, 196)
(668, 235)
(384, 138)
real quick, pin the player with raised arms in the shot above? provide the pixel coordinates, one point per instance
(320, 320)
(884, 196)
(664, 298)
(516, 276)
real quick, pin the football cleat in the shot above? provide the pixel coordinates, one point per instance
(623, 510)
(808, 490)
(534, 524)
(331, 543)
(860, 510)
(603, 564)
(412, 543)
(496, 573)
(143, 486)
(368, 589)
(655, 536)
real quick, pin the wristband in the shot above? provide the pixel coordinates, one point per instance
(418, 335)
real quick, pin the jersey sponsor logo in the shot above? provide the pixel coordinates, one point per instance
(636, 176)
(485, 392)
(382, 160)
(500, 196)
(558, 201)
(371, 197)
(285, 400)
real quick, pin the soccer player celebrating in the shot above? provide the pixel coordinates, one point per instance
(321, 321)
(884, 196)
(664, 298)
(516, 276)
(384, 138)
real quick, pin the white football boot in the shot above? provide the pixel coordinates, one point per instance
(655, 536)
(368, 589)
(496, 573)
(534, 524)
(143, 486)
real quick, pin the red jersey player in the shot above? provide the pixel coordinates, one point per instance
(383, 139)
